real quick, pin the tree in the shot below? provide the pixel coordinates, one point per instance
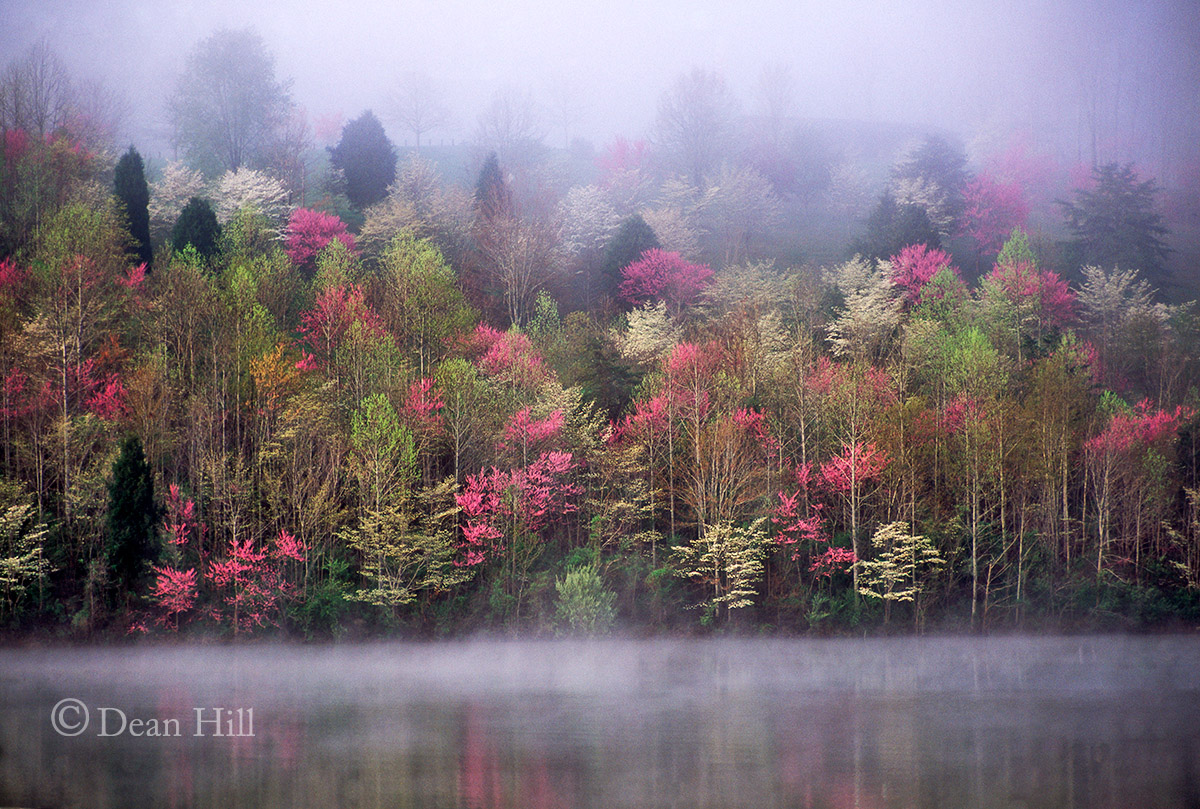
(129, 182)
(366, 158)
(933, 176)
(419, 298)
(1115, 223)
(662, 276)
(511, 126)
(901, 562)
(246, 188)
(633, 238)
(991, 209)
(727, 559)
(227, 104)
(196, 226)
(169, 194)
(307, 234)
(695, 123)
(892, 226)
(132, 517)
(417, 107)
(493, 198)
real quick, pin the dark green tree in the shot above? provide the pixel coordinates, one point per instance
(1116, 223)
(132, 517)
(892, 227)
(129, 184)
(941, 169)
(626, 246)
(493, 197)
(228, 108)
(197, 226)
(367, 160)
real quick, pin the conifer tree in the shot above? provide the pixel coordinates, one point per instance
(366, 158)
(129, 182)
(132, 516)
(197, 226)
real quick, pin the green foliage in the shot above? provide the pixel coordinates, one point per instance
(367, 160)
(383, 455)
(420, 299)
(892, 226)
(197, 226)
(403, 558)
(132, 517)
(584, 606)
(129, 182)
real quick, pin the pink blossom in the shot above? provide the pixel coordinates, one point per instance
(857, 462)
(660, 275)
(309, 232)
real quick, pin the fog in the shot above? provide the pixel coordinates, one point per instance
(1118, 79)
(965, 722)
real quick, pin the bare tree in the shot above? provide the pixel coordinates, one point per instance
(776, 98)
(38, 96)
(695, 123)
(566, 109)
(416, 105)
(511, 125)
(521, 254)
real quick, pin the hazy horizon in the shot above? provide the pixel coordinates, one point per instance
(1059, 73)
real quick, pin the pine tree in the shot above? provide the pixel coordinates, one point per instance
(132, 516)
(197, 226)
(366, 158)
(129, 182)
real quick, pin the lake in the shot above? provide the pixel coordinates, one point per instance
(911, 722)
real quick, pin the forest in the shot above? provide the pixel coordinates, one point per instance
(751, 374)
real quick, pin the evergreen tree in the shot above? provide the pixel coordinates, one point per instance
(633, 238)
(129, 183)
(891, 227)
(366, 158)
(132, 516)
(197, 226)
(493, 199)
(1116, 224)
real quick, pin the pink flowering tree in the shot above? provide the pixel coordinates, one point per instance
(507, 510)
(915, 266)
(308, 232)
(1127, 474)
(660, 275)
(992, 209)
(1028, 303)
(252, 581)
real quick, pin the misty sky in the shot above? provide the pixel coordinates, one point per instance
(978, 68)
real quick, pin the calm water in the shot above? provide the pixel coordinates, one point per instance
(1079, 722)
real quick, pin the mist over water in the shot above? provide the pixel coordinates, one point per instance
(908, 722)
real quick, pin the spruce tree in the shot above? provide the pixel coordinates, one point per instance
(132, 517)
(197, 226)
(366, 158)
(129, 185)
(493, 199)
(626, 246)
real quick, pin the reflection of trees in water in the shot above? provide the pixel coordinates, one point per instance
(822, 725)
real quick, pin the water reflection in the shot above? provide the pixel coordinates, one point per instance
(931, 723)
